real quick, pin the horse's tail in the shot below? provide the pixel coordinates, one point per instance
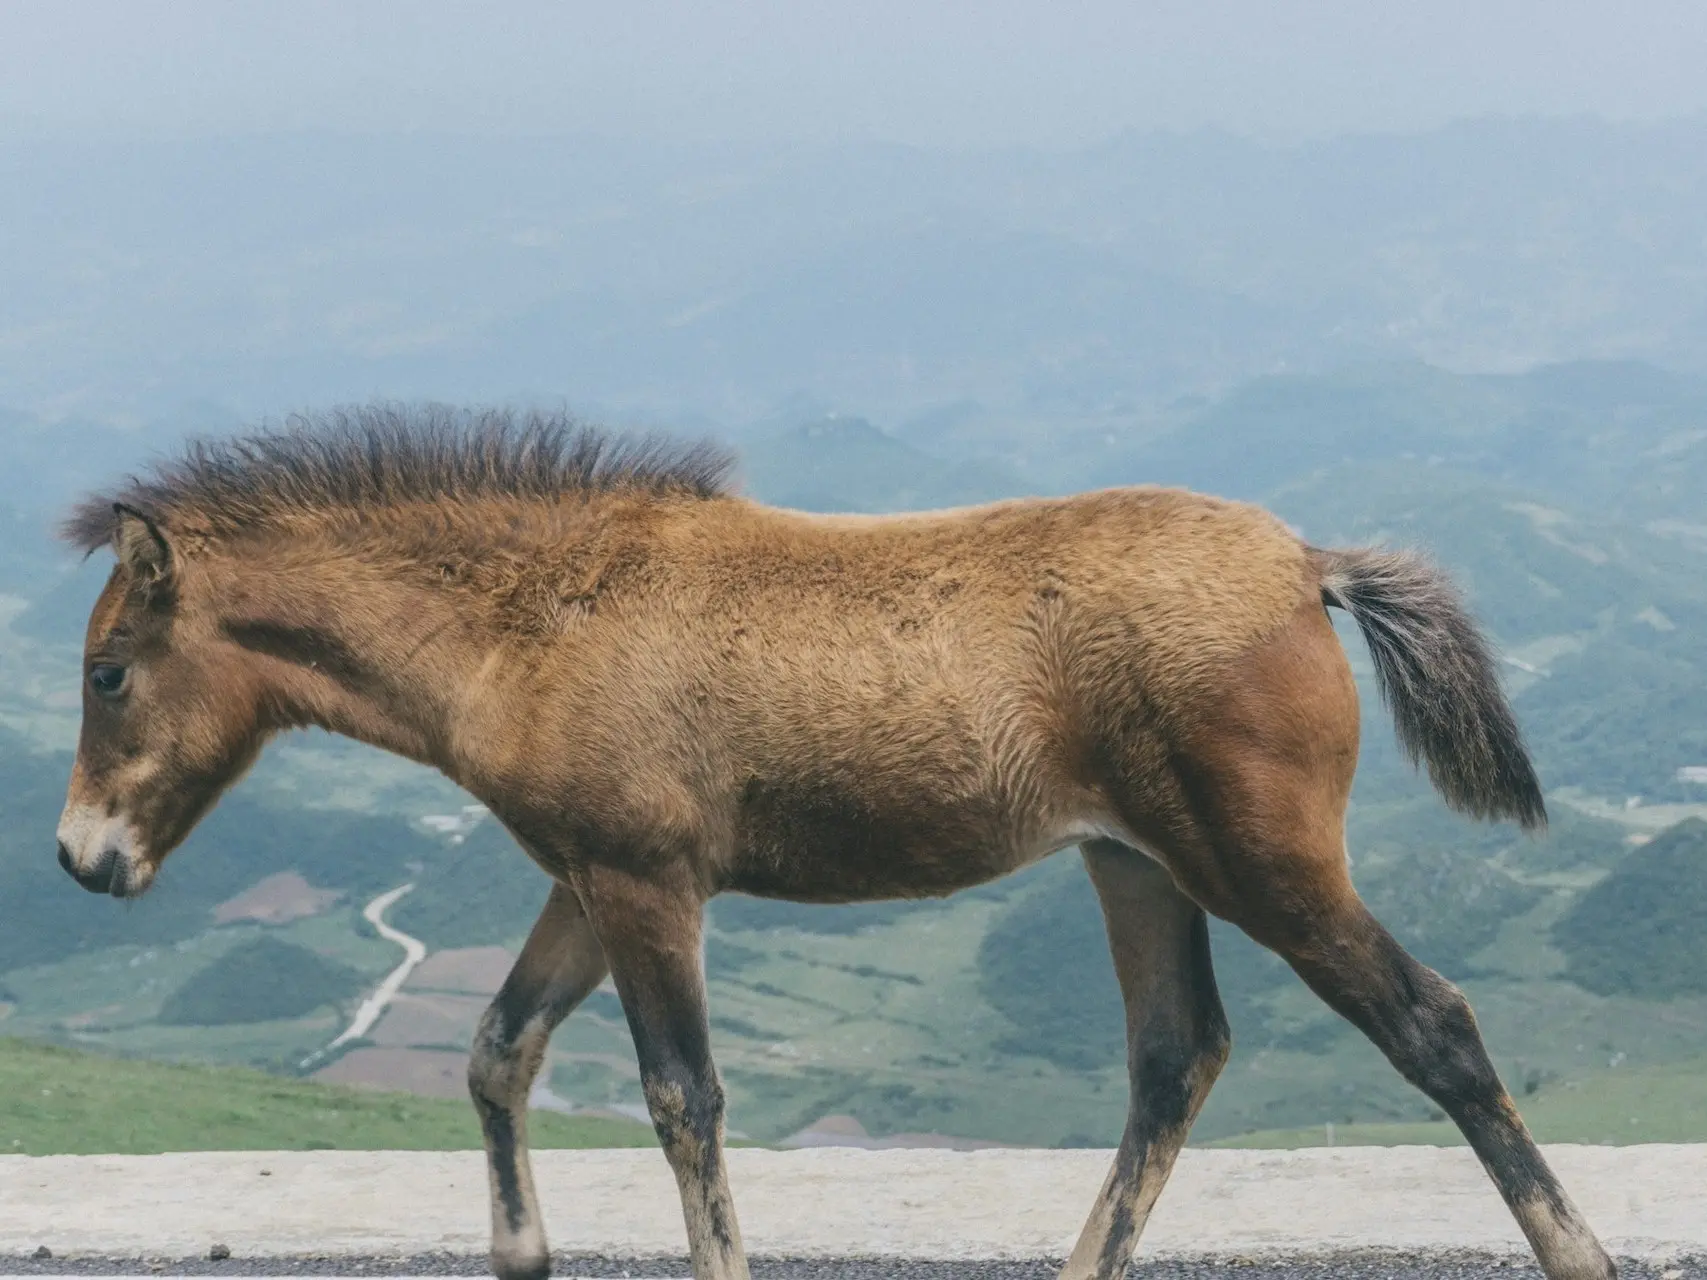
(1437, 675)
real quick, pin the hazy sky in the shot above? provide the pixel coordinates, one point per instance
(924, 71)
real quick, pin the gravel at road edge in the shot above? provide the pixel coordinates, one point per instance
(1349, 1266)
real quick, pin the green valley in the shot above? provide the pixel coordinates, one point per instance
(1565, 500)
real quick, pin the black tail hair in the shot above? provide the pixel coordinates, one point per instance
(1438, 678)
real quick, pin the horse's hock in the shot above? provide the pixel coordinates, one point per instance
(833, 1202)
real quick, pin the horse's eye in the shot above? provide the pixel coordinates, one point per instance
(106, 679)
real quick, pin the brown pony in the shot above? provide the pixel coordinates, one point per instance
(665, 691)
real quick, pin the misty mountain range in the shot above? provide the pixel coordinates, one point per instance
(728, 284)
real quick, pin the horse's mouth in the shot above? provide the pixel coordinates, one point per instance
(113, 874)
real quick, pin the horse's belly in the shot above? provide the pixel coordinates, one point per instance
(816, 852)
(820, 847)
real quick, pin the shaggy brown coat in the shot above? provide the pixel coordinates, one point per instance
(666, 691)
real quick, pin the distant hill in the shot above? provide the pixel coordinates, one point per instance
(259, 981)
(1615, 438)
(847, 464)
(1640, 930)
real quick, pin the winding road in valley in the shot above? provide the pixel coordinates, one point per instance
(370, 1009)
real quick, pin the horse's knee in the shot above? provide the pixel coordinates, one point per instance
(686, 1106)
(1170, 1077)
(488, 1057)
(502, 1059)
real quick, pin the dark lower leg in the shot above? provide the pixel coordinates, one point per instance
(1427, 1030)
(1177, 1043)
(558, 967)
(652, 937)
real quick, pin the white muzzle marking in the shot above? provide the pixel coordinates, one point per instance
(97, 842)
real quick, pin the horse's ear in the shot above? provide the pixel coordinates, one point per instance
(140, 546)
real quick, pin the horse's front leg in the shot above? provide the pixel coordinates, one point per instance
(558, 967)
(650, 927)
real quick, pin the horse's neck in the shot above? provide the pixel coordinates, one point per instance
(378, 657)
(395, 651)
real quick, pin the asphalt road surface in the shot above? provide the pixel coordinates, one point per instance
(1357, 1266)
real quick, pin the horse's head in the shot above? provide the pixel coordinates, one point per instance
(171, 717)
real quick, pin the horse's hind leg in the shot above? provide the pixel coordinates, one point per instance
(1176, 1044)
(558, 967)
(651, 930)
(1264, 775)
(1426, 1028)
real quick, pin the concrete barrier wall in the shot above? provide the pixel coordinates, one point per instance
(1646, 1201)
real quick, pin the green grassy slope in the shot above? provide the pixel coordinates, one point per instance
(61, 1101)
(1618, 1106)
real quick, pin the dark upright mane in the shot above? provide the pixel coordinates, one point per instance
(385, 455)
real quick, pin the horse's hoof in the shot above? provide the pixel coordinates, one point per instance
(518, 1266)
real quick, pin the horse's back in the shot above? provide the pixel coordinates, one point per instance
(1186, 578)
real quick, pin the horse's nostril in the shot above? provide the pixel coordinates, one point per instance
(100, 877)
